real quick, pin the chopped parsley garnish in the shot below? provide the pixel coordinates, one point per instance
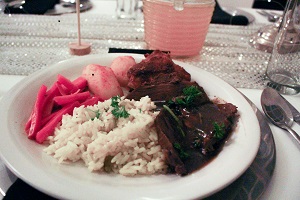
(179, 123)
(219, 130)
(182, 153)
(115, 101)
(189, 94)
(118, 111)
(97, 114)
(197, 143)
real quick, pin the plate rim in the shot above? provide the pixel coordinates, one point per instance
(230, 10)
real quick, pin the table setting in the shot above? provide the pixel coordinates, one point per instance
(234, 60)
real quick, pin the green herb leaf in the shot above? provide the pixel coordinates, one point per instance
(97, 112)
(219, 130)
(115, 101)
(180, 101)
(120, 112)
(197, 143)
(191, 91)
(179, 123)
(189, 94)
(182, 153)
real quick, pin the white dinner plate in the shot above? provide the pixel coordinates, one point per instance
(26, 159)
(235, 11)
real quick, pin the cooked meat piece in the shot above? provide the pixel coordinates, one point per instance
(227, 108)
(197, 134)
(215, 124)
(172, 157)
(156, 68)
(166, 91)
(167, 136)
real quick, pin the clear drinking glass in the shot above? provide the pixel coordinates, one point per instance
(284, 65)
(178, 26)
(127, 9)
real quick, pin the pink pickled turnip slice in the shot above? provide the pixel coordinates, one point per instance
(36, 116)
(28, 123)
(67, 83)
(80, 83)
(48, 129)
(66, 99)
(46, 119)
(61, 88)
(48, 104)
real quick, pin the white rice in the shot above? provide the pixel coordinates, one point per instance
(127, 146)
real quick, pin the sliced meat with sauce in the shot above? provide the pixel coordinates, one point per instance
(166, 91)
(195, 135)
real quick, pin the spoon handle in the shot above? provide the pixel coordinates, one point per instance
(294, 134)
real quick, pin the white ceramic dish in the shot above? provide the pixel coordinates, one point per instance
(235, 11)
(26, 159)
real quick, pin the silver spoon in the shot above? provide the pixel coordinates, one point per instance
(271, 17)
(278, 111)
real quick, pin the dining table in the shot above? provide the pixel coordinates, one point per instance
(29, 43)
